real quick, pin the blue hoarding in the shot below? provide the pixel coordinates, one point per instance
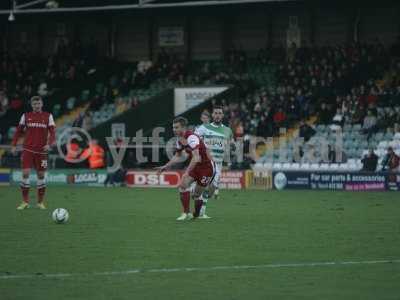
(347, 181)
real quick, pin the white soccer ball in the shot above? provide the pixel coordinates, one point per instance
(60, 215)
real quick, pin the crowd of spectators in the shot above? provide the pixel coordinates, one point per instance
(167, 70)
(23, 75)
(345, 84)
(367, 80)
(341, 85)
(357, 83)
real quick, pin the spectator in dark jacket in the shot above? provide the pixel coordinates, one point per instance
(390, 161)
(305, 131)
(324, 115)
(370, 161)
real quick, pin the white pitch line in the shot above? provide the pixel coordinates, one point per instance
(202, 269)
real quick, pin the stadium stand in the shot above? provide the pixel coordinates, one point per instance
(354, 88)
(354, 93)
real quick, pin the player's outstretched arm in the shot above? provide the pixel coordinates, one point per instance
(175, 159)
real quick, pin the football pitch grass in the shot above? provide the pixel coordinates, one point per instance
(125, 244)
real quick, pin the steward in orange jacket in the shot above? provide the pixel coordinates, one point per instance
(95, 155)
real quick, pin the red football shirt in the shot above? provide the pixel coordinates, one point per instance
(194, 142)
(39, 130)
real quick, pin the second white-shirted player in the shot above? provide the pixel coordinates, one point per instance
(217, 138)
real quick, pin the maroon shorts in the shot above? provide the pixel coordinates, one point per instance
(203, 174)
(32, 160)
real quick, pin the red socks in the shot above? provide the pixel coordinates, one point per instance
(25, 193)
(25, 184)
(185, 200)
(41, 189)
(40, 192)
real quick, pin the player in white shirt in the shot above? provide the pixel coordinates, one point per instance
(217, 138)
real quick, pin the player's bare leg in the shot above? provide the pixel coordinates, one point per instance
(25, 185)
(184, 191)
(198, 201)
(41, 189)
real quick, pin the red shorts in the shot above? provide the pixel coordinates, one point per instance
(32, 160)
(203, 174)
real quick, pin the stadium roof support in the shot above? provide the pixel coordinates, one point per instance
(146, 1)
(30, 3)
(143, 4)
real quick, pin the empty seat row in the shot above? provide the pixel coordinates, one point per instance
(349, 166)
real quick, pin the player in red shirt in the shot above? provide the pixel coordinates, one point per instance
(201, 168)
(38, 128)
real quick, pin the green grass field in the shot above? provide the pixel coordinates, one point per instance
(125, 244)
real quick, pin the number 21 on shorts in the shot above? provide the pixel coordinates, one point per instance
(205, 180)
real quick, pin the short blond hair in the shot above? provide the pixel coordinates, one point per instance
(36, 98)
(181, 120)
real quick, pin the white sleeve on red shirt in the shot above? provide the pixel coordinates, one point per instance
(22, 120)
(51, 120)
(178, 146)
(193, 141)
